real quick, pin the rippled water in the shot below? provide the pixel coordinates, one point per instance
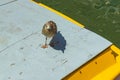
(100, 16)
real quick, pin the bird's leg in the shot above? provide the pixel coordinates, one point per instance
(45, 46)
(46, 41)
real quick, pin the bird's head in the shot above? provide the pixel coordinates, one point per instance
(48, 27)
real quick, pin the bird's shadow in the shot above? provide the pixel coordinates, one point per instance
(58, 42)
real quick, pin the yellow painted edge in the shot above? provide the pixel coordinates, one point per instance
(111, 72)
(116, 50)
(108, 74)
(59, 13)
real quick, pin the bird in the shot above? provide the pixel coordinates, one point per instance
(49, 30)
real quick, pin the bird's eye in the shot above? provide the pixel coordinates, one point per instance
(47, 27)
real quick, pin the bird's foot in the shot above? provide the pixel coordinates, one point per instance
(44, 46)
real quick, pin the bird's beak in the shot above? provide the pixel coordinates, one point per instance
(49, 30)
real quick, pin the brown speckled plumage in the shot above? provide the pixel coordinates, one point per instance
(49, 30)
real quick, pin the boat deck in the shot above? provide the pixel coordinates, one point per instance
(21, 55)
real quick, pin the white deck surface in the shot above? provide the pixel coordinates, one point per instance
(22, 58)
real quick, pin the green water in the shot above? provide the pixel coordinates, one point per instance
(99, 16)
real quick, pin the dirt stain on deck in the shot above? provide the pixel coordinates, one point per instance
(3, 40)
(13, 29)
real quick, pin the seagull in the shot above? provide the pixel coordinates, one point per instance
(49, 30)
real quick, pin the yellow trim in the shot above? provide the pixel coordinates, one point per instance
(57, 12)
(105, 66)
(94, 66)
(111, 72)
